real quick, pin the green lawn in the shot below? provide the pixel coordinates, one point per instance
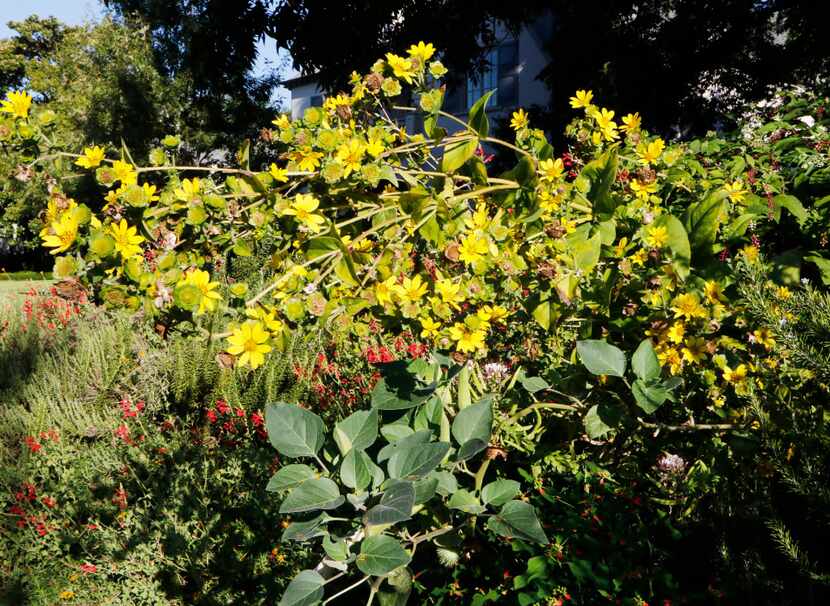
(13, 289)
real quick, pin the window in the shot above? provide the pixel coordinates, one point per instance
(502, 74)
(316, 101)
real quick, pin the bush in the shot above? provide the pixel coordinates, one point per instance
(575, 319)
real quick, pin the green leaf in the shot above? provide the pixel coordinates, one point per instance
(419, 437)
(398, 388)
(644, 362)
(311, 495)
(500, 492)
(303, 531)
(586, 253)
(469, 449)
(601, 358)
(356, 469)
(447, 484)
(306, 589)
(517, 519)
(336, 550)
(678, 242)
(792, 204)
(478, 115)
(541, 313)
(474, 422)
(294, 431)
(648, 398)
(380, 555)
(702, 220)
(416, 461)
(465, 501)
(601, 419)
(456, 154)
(533, 384)
(359, 431)
(289, 477)
(602, 173)
(395, 505)
(425, 489)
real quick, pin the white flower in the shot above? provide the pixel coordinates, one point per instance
(808, 120)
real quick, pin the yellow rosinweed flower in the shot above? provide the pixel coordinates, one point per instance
(249, 342)
(61, 235)
(201, 280)
(519, 120)
(16, 103)
(582, 99)
(467, 340)
(303, 208)
(92, 157)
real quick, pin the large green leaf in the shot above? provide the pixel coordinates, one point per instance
(792, 204)
(644, 362)
(601, 358)
(380, 555)
(601, 419)
(356, 469)
(417, 461)
(395, 505)
(478, 115)
(303, 531)
(289, 477)
(457, 153)
(500, 492)
(474, 422)
(359, 430)
(518, 519)
(649, 398)
(703, 219)
(306, 589)
(678, 242)
(312, 495)
(294, 431)
(399, 389)
(465, 501)
(419, 437)
(336, 550)
(586, 253)
(602, 173)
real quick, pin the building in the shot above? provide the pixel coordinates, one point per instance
(514, 65)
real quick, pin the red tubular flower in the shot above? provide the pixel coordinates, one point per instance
(88, 568)
(222, 407)
(211, 416)
(257, 419)
(33, 444)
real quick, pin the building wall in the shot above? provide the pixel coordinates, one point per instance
(303, 97)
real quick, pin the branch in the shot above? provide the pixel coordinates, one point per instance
(691, 426)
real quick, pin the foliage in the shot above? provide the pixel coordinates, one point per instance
(583, 306)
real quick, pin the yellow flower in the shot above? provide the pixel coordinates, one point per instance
(694, 350)
(750, 253)
(375, 147)
(604, 119)
(279, 175)
(713, 292)
(402, 68)
(250, 342)
(282, 121)
(384, 290)
(657, 236)
(268, 318)
(737, 376)
(676, 332)
(494, 313)
(430, 328)
(650, 152)
(473, 248)
(421, 51)
(519, 120)
(306, 159)
(93, 156)
(201, 280)
(552, 170)
(351, 154)
(66, 594)
(643, 190)
(63, 234)
(411, 290)
(149, 192)
(468, 340)
(126, 239)
(479, 220)
(688, 306)
(303, 209)
(639, 257)
(189, 189)
(17, 103)
(124, 172)
(782, 292)
(735, 190)
(670, 357)
(631, 122)
(450, 292)
(764, 337)
(582, 99)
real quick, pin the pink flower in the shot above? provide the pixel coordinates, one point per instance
(88, 568)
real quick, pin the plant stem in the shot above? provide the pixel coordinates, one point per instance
(482, 471)
(690, 427)
(349, 588)
(541, 405)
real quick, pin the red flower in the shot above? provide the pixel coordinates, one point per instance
(222, 407)
(123, 432)
(240, 413)
(88, 568)
(386, 355)
(211, 416)
(33, 444)
(49, 502)
(257, 419)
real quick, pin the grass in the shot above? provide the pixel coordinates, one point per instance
(11, 290)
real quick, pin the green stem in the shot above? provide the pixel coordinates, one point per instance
(482, 471)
